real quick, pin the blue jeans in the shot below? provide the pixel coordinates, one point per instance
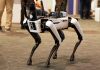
(85, 7)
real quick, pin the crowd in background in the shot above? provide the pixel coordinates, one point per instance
(85, 11)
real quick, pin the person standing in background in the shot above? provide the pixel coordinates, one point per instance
(9, 7)
(88, 9)
(38, 4)
(23, 2)
(40, 8)
(23, 11)
(64, 5)
(82, 8)
(85, 9)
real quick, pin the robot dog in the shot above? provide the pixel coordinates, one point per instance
(35, 25)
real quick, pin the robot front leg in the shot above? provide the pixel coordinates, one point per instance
(54, 49)
(56, 37)
(37, 42)
(37, 39)
(72, 57)
(75, 25)
(62, 38)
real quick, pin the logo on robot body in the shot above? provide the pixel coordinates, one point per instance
(34, 26)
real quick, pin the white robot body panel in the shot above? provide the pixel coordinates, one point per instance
(54, 30)
(37, 24)
(60, 23)
(76, 23)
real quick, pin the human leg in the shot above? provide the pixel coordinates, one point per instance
(22, 14)
(88, 8)
(2, 6)
(82, 8)
(9, 8)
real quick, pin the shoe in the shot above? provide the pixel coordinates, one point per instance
(1, 29)
(7, 30)
(83, 18)
(22, 27)
(90, 18)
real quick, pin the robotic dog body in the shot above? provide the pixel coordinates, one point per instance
(54, 26)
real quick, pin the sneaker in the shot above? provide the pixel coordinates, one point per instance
(7, 30)
(1, 29)
(22, 27)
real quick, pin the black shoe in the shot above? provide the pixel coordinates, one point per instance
(88, 17)
(83, 18)
(22, 27)
(8, 30)
(1, 29)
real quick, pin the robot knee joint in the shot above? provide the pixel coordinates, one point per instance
(38, 42)
(80, 38)
(49, 24)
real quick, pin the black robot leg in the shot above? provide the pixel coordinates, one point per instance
(22, 15)
(37, 39)
(62, 38)
(37, 42)
(61, 34)
(80, 38)
(54, 49)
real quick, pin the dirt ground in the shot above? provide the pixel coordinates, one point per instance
(15, 48)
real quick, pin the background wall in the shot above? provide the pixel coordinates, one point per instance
(16, 11)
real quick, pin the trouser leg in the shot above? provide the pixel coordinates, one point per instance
(81, 11)
(9, 8)
(22, 15)
(82, 8)
(88, 8)
(2, 6)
